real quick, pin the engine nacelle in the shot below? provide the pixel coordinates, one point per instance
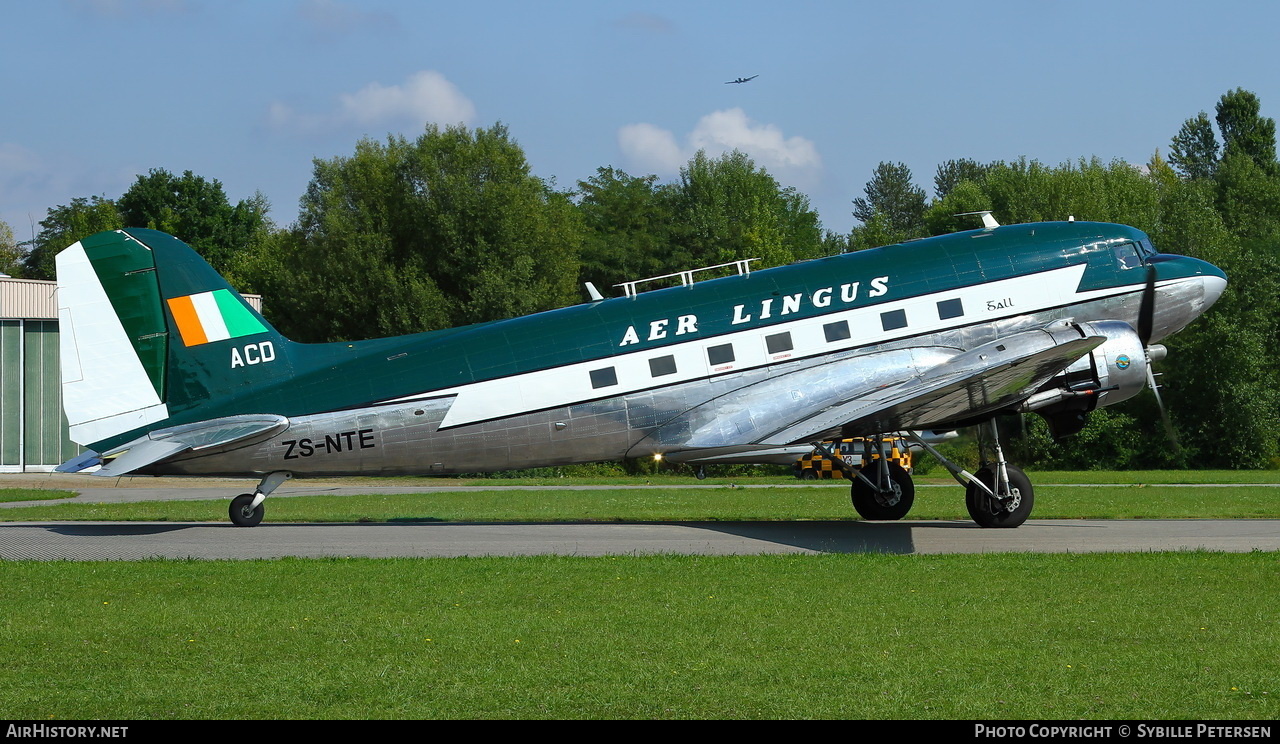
(1111, 373)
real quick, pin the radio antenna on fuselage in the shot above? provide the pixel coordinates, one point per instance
(988, 222)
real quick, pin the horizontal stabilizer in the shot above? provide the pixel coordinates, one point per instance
(82, 461)
(140, 454)
(163, 444)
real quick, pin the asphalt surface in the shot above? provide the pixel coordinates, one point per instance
(142, 540)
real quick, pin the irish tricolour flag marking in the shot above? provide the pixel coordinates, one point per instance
(212, 316)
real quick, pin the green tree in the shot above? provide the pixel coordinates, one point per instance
(1111, 440)
(944, 214)
(1029, 191)
(873, 233)
(834, 242)
(1245, 131)
(342, 288)
(1194, 150)
(954, 172)
(10, 253)
(406, 236)
(1248, 197)
(629, 222)
(1223, 389)
(64, 225)
(893, 196)
(198, 212)
(726, 209)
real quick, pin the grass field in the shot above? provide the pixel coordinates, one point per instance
(1147, 636)
(1141, 636)
(32, 494)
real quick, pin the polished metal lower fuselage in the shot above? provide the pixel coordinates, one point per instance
(407, 438)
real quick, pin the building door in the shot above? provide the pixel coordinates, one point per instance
(33, 430)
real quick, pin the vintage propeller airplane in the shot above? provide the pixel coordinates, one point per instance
(167, 370)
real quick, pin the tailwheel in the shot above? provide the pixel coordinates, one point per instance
(243, 513)
(891, 498)
(1011, 504)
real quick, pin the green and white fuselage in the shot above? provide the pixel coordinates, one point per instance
(168, 369)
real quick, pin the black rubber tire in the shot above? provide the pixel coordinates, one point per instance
(240, 514)
(875, 506)
(808, 474)
(986, 512)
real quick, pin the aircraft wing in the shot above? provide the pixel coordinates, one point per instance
(888, 390)
(985, 379)
(163, 444)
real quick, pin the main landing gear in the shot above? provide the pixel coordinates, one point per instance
(882, 490)
(998, 495)
(246, 509)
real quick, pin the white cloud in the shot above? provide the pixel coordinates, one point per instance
(425, 96)
(722, 131)
(655, 149)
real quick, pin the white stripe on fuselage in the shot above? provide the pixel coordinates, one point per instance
(570, 384)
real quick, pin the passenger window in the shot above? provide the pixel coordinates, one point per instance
(663, 365)
(603, 377)
(837, 331)
(893, 320)
(948, 309)
(722, 354)
(778, 343)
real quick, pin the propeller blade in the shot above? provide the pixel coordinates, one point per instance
(1164, 414)
(1147, 310)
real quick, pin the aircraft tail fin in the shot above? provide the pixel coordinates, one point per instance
(148, 330)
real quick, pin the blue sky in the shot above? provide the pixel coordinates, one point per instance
(249, 92)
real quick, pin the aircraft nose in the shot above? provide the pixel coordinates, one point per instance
(1214, 286)
(1213, 281)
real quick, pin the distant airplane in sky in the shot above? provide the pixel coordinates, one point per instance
(741, 80)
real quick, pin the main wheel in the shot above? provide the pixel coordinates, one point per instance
(1009, 511)
(242, 515)
(894, 503)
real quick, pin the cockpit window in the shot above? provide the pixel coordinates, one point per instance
(1127, 256)
(1145, 248)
